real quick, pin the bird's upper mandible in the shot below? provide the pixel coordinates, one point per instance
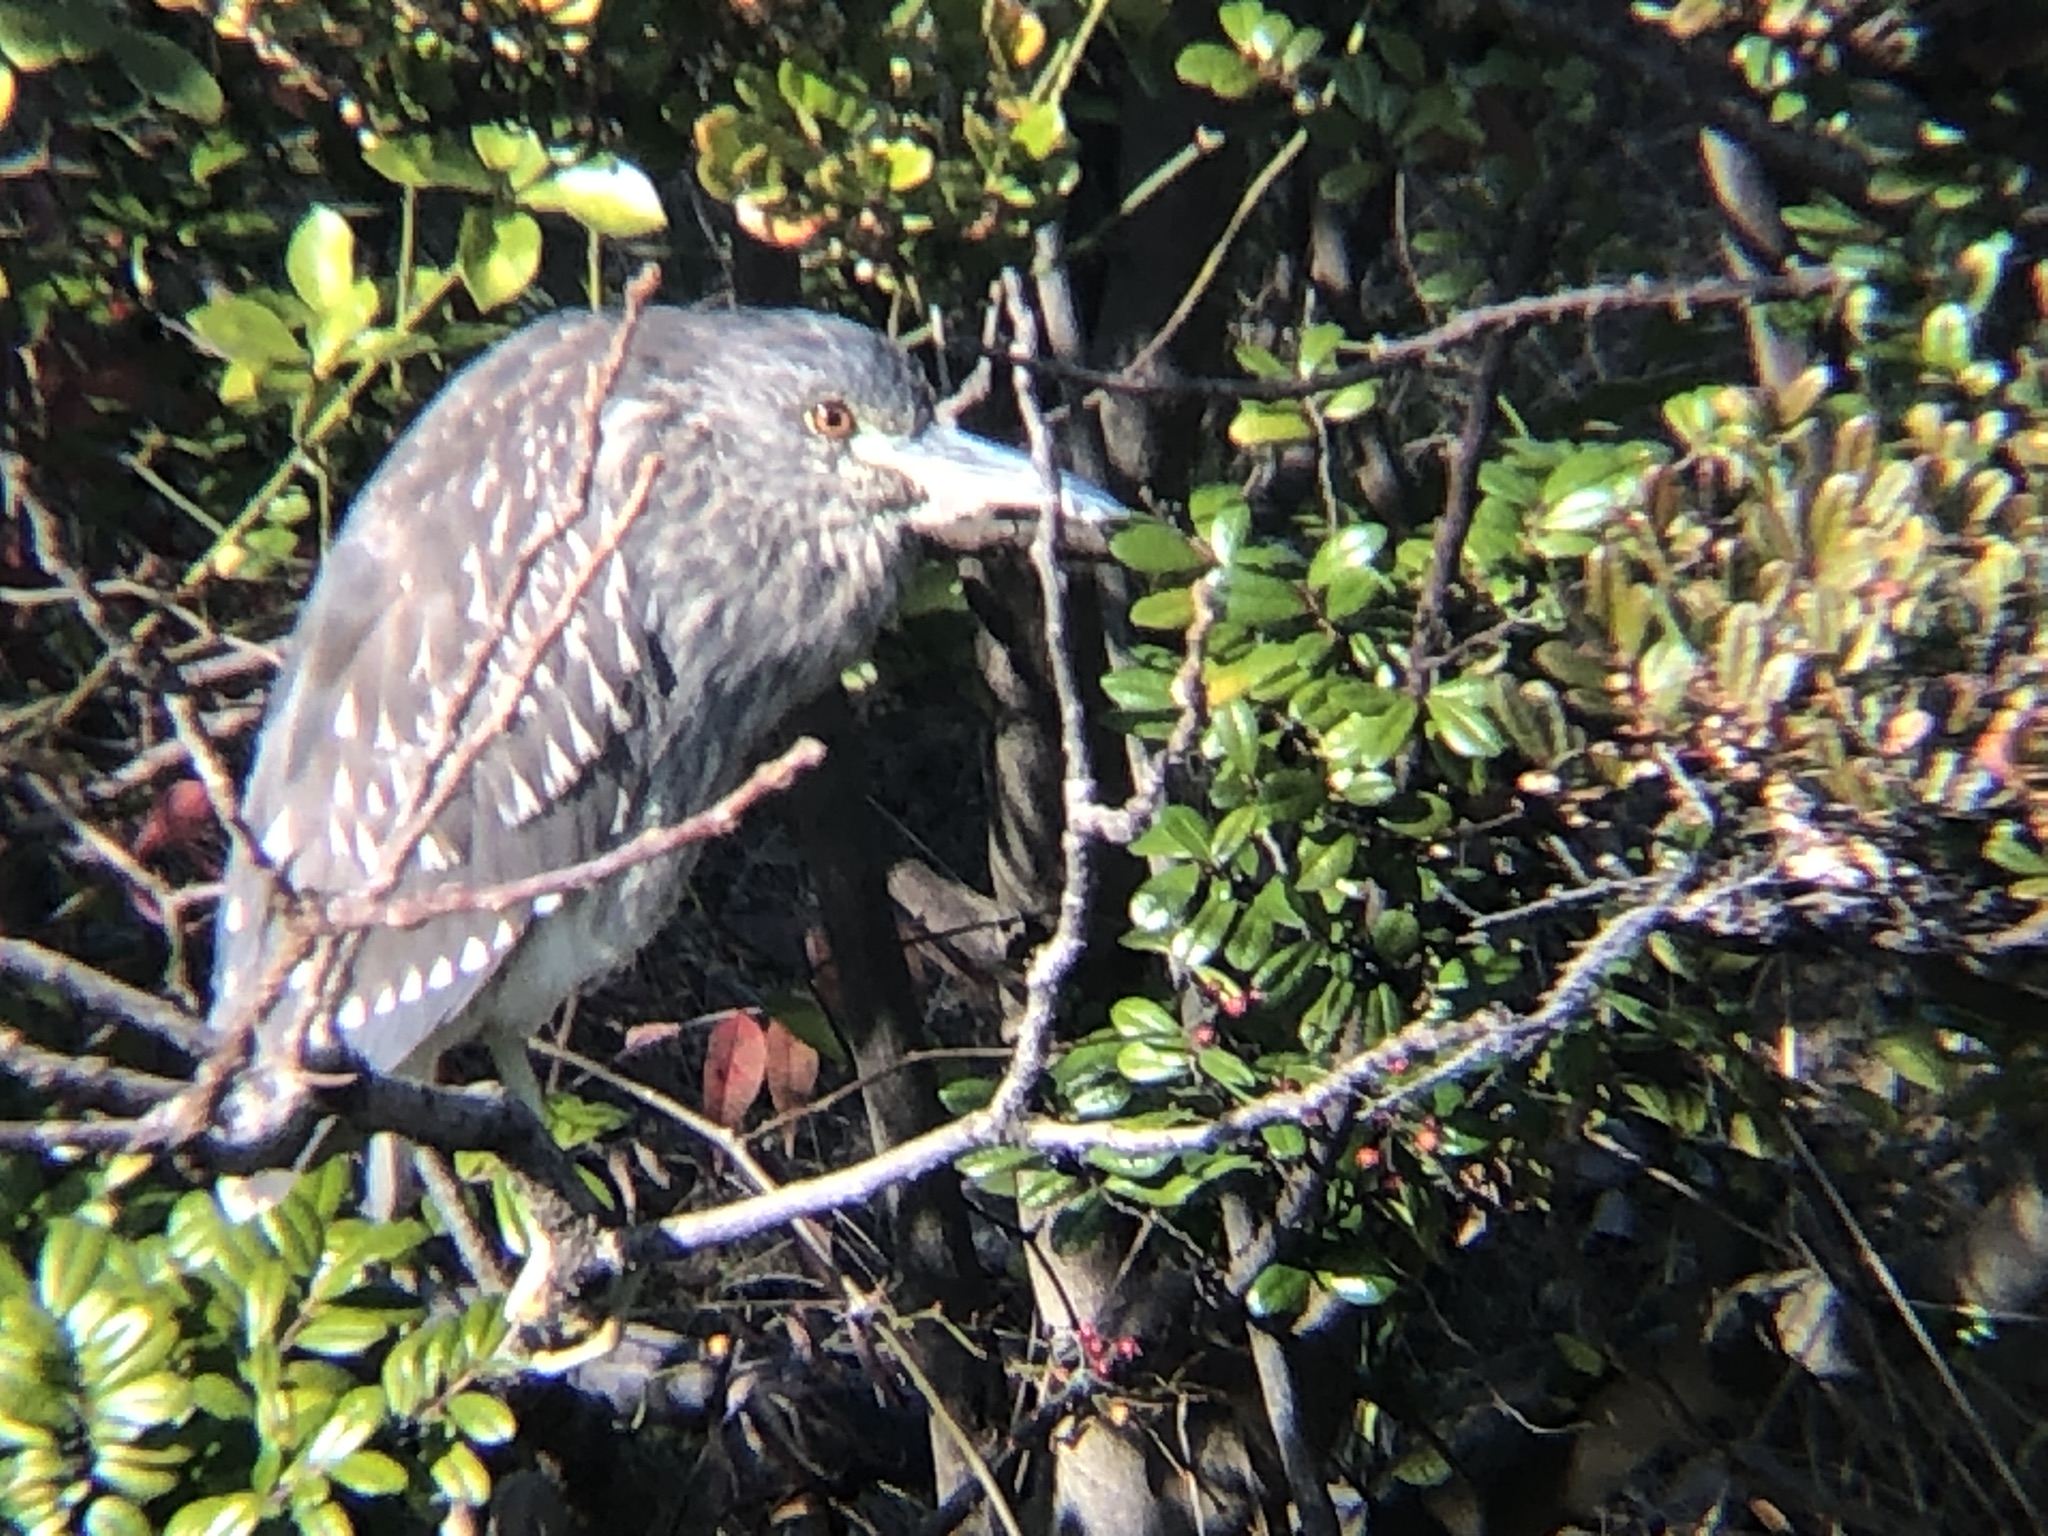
(601, 567)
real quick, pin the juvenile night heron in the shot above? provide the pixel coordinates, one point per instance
(637, 650)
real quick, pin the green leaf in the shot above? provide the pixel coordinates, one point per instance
(1579, 1355)
(344, 1332)
(1158, 904)
(499, 254)
(1140, 1018)
(166, 73)
(421, 161)
(964, 1095)
(1212, 507)
(1040, 131)
(1169, 611)
(1140, 688)
(1372, 740)
(231, 1514)
(1324, 865)
(74, 1251)
(1156, 549)
(606, 195)
(1285, 1141)
(1916, 1057)
(1352, 401)
(1146, 1063)
(328, 1519)
(1223, 1067)
(146, 1403)
(462, 1479)
(1368, 1290)
(1457, 711)
(988, 1162)
(110, 1516)
(1260, 423)
(1257, 599)
(40, 35)
(1280, 1291)
(516, 154)
(1180, 831)
(482, 1419)
(113, 1516)
(1207, 929)
(2005, 849)
(358, 1416)
(321, 259)
(1216, 69)
(1349, 550)
(1397, 935)
(244, 332)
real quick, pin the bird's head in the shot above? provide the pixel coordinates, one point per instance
(848, 421)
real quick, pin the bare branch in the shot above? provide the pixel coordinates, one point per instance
(1383, 357)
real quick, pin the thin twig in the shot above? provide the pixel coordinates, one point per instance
(1384, 357)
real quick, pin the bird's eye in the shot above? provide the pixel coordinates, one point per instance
(831, 418)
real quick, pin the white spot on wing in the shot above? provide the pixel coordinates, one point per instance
(525, 803)
(561, 772)
(548, 905)
(412, 986)
(606, 700)
(441, 974)
(387, 1001)
(301, 976)
(234, 916)
(386, 739)
(502, 936)
(475, 955)
(344, 788)
(276, 841)
(434, 856)
(352, 1014)
(373, 798)
(615, 590)
(345, 717)
(580, 740)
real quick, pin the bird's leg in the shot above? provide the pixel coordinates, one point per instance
(515, 1070)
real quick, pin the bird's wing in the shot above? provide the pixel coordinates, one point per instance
(448, 563)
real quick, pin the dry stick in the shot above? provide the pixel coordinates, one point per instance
(1383, 357)
(1903, 1308)
(97, 992)
(93, 1078)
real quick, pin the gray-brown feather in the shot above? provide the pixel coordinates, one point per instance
(723, 605)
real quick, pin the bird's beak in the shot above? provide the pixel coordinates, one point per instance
(965, 477)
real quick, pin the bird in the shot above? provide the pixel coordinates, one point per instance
(574, 602)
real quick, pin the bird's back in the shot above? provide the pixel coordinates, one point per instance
(506, 665)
